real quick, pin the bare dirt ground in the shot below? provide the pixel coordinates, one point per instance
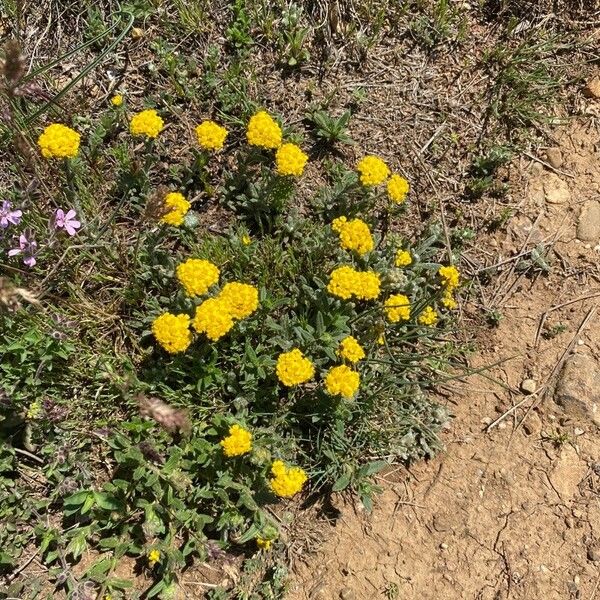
(511, 509)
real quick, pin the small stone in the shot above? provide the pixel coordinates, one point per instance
(528, 386)
(556, 190)
(137, 33)
(502, 425)
(347, 594)
(444, 546)
(588, 226)
(593, 553)
(592, 89)
(578, 431)
(486, 420)
(578, 388)
(554, 157)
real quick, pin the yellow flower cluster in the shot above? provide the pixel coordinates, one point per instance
(59, 141)
(403, 258)
(146, 123)
(351, 350)
(346, 282)
(397, 188)
(238, 442)
(213, 319)
(153, 557)
(172, 332)
(178, 206)
(117, 100)
(34, 410)
(197, 276)
(450, 277)
(342, 381)
(241, 299)
(290, 160)
(263, 131)
(286, 481)
(211, 136)
(373, 170)
(294, 368)
(428, 317)
(397, 308)
(354, 235)
(263, 543)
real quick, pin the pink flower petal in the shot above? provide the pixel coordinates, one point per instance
(14, 252)
(70, 215)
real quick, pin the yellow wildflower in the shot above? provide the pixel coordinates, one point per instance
(294, 368)
(153, 557)
(450, 277)
(355, 235)
(397, 188)
(403, 258)
(338, 223)
(263, 543)
(448, 300)
(263, 131)
(117, 100)
(286, 481)
(246, 239)
(179, 207)
(197, 276)
(397, 308)
(373, 170)
(213, 319)
(146, 123)
(35, 410)
(342, 381)
(211, 136)
(290, 160)
(172, 332)
(428, 316)
(59, 141)
(241, 299)
(351, 350)
(346, 282)
(238, 442)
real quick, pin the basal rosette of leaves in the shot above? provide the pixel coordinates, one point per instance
(228, 427)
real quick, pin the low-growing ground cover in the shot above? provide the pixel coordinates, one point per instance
(209, 308)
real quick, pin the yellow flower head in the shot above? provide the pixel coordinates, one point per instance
(373, 170)
(263, 543)
(179, 207)
(342, 381)
(246, 240)
(213, 319)
(146, 123)
(450, 277)
(286, 481)
(238, 442)
(197, 276)
(59, 141)
(346, 282)
(153, 557)
(448, 300)
(294, 368)
(338, 223)
(428, 317)
(290, 160)
(351, 350)
(397, 188)
(240, 298)
(117, 100)
(403, 258)
(172, 332)
(34, 410)
(354, 235)
(211, 136)
(397, 308)
(263, 131)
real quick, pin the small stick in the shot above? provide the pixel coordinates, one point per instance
(548, 165)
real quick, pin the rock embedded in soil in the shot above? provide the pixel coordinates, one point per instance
(556, 190)
(528, 386)
(594, 553)
(347, 594)
(592, 89)
(588, 226)
(578, 388)
(554, 157)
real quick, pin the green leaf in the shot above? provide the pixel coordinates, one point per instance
(107, 501)
(341, 483)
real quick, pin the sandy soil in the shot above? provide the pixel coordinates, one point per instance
(512, 508)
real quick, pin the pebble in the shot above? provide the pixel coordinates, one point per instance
(554, 157)
(528, 386)
(578, 388)
(444, 546)
(593, 553)
(588, 226)
(347, 594)
(592, 89)
(556, 190)
(578, 431)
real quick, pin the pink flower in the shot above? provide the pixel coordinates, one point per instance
(27, 247)
(66, 221)
(8, 216)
